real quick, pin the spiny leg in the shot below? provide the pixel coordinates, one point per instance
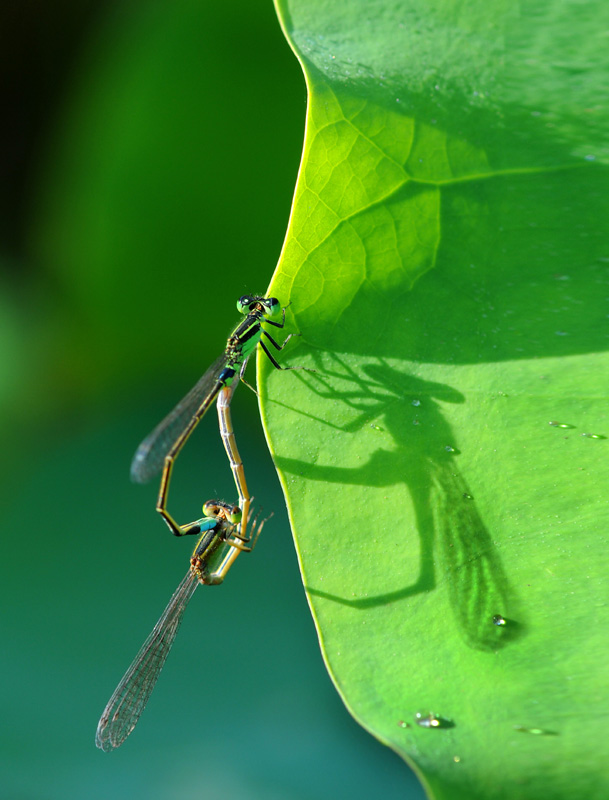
(282, 323)
(235, 547)
(273, 360)
(279, 347)
(242, 378)
(273, 342)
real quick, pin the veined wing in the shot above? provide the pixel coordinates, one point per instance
(133, 692)
(150, 455)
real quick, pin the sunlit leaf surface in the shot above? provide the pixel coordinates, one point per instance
(446, 465)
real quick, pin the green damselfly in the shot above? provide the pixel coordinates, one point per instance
(219, 539)
(160, 448)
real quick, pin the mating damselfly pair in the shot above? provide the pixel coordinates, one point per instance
(223, 530)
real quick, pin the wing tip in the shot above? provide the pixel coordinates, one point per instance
(138, 471)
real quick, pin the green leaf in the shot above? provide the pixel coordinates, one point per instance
(446, 264)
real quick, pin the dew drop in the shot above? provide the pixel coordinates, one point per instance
(499, 620)
(427, 720)
(449, 448)
(534, 731)
(403, 724)
(431, 720)
(456, 759)
(467, 496)
(416, 402)
(555, 424)
(594, 436)
(376, 427)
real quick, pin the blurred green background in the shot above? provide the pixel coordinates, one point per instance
(150, 152)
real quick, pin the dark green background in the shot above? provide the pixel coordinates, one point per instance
(150, 155)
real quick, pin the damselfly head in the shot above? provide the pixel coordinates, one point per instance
(220, 510)
(270, 306)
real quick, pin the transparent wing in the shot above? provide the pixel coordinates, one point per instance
(133, 692)
(150, 455)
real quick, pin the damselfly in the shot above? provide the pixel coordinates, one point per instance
(161, 447)
(218, 530)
